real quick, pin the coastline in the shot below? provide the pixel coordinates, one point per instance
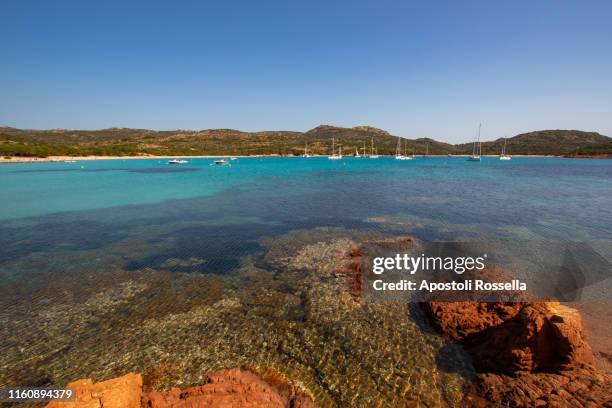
(60, 159)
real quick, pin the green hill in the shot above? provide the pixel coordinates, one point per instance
(549, 142)
(131, 142)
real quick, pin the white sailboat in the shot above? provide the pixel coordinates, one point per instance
(406, 157)
(503, 155)
(476, 148)
(373, 152)
(357, 153)
(398, 150)
(306, 151)
(335, 156)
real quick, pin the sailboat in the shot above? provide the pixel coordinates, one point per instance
(306, 151)
(335, 156)
(503, 155)
(426, 148)
(398, 150)
(476, 152)
(373, 153)
(406, 157)
(357, 153)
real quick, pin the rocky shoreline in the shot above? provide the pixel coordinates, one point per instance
(525, 354)
(222, 389)
(522, 354)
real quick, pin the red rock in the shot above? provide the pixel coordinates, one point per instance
(525, 354)
(223, 389)
(230, 388)
(352, 272)
(121, 392)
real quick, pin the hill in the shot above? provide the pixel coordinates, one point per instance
(126, 142)
(549, 142)
(132, 142)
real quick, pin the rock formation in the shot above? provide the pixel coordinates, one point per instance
(121, 392)
(223, 389)
(525, 354)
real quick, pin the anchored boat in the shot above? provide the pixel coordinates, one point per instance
(476, 148)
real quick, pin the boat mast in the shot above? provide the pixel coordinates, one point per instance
(479, 143)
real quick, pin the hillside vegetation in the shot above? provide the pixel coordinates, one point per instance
(132, 142)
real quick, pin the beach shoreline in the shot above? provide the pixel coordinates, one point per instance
(61, 159)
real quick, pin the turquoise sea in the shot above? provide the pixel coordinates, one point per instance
(86, 247)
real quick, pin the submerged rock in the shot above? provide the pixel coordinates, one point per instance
(231, 388)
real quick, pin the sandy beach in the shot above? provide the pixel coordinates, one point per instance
(59, 159)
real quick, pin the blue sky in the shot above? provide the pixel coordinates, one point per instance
(418, 69)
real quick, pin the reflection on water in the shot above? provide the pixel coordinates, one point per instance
(192, 269)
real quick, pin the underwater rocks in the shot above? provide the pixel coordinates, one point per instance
(525, 353)
(223, 389)
(353, 258)
(231, 388)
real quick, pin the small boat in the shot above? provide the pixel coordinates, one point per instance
(476, 152)
(406, 157)
(398, 150)
(373, 152)
(233, 158)
(70, 161)
(335, 156)
(357, 153)
(306, 151)
(221, 162)
(503, 155)
(177, 161)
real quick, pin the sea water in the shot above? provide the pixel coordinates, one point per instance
(125, 265)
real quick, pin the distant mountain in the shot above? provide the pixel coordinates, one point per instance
(130, 142)
(549, 142)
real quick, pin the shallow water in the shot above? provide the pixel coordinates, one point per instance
(137, 265)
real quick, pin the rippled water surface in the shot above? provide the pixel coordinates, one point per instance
(112, 266)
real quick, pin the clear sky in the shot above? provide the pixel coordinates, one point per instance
(418, 69)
